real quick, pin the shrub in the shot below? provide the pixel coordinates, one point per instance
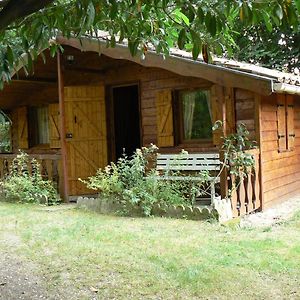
(25, 186)
(133, 182)
(236, 157)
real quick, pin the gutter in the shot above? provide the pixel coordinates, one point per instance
(285, 88)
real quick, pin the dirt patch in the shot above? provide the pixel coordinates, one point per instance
(272, 216)
(17, 280)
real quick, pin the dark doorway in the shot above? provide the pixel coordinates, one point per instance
(126, 119)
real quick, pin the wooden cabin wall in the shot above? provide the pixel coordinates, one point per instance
(39, 96)
(151, 81)
(245, 111)
(281, 170)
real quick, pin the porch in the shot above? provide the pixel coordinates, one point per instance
(245, 194)
(50, 167)
(74, 108)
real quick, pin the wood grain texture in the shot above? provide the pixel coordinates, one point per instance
(281, 170)
(86, 134)
(54, 126)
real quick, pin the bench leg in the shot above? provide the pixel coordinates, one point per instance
(212, 192)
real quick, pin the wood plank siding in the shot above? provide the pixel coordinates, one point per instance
(153, 81)
(280, 158)
(245, 110)
(281, 169)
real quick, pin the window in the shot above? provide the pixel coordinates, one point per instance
(38, 122)
(5, 133)
(195, 116)
(285, 123)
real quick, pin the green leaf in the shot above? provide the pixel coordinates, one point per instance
(267, 21)
(133, 46)
(297, 2)
(200, 15)
(196, 50)
(10, 55)
(29, 63)
(279, 12)
(114, 9)
(113, 41)
(91, 15)
(53, 49)
(181, 39)
(181, 17)
(211, 25)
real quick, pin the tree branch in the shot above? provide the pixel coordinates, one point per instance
(13, 10)
(3, 3)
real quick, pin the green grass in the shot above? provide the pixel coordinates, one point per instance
(127, 258)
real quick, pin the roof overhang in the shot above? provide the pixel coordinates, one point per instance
(285, 88)
(179, 65)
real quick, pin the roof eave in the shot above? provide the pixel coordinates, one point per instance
(187, 67)
(285, 88)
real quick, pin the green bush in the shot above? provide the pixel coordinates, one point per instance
(23, 186)
(132, 182)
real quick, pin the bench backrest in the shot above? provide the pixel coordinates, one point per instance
(188, 162)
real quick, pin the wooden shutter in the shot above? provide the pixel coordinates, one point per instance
(165, 131)
(22, 127)
(281, 123)
(217, 95)
(54, 126)
(290, 122)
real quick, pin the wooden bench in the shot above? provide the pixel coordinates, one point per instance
(190, 163)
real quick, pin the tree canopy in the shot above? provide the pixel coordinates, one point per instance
(199, 26)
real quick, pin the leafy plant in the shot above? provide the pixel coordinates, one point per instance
(25, 184)
(236, 157)
(134, 183)
(198, 26)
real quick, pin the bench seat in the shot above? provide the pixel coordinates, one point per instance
(190, 163)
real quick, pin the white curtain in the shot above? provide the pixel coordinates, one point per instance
(188, 113)
(43, 125)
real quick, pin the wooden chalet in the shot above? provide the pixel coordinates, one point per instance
(84, 108)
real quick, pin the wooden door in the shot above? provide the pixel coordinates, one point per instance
(86, 138)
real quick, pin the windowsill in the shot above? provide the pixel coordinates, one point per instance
(192, 148)
(285, 151)
(197, 142)
(38, 148)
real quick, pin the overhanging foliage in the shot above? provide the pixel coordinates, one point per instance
(198, 26)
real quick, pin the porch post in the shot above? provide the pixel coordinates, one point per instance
(258, 128)
(62, 127)
(223, 177)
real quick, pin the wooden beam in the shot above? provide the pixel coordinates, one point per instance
(258, 128)
(83, 70)
(64, 152)
(35, 81)
(224, 174)
(179, 65)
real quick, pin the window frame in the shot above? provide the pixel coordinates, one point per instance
(35, 132)
(286, 102)
(179, 121)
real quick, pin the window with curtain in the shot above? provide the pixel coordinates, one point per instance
(38, 125)
(195, 115)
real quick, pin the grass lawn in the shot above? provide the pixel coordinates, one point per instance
(127, 258)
